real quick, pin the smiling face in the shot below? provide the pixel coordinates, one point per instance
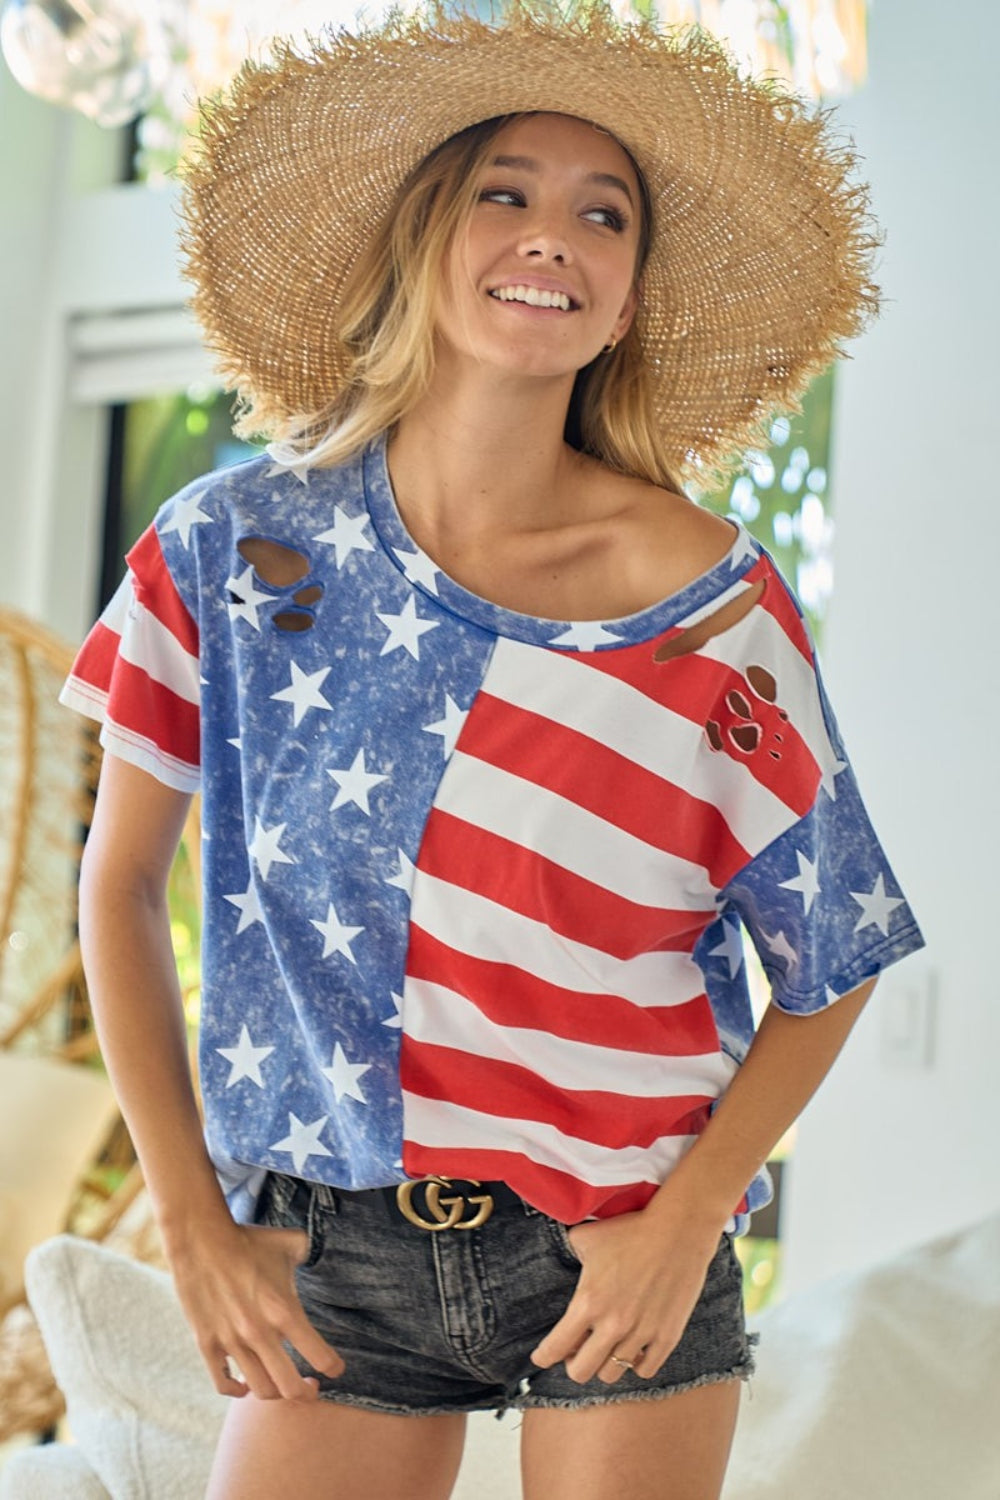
(542, 275)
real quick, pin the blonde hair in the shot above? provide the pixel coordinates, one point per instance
(387, 325)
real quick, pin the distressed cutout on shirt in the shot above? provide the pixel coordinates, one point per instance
(723, 619)
(755, 717)
(282, 567)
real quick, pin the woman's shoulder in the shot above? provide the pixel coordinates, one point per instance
(664, 538)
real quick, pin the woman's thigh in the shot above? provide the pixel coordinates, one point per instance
(669, 1448)
(288, 1450)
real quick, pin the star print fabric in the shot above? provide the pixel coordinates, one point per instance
(473, 880)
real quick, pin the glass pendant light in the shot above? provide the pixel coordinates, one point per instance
(90, 55)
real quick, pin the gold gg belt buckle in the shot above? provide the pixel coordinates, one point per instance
(447, 1213)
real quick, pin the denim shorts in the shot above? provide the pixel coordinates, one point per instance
(430, 1322)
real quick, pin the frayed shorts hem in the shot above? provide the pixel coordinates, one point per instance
(742, 1371)
(390, 1409)
(499, 1405)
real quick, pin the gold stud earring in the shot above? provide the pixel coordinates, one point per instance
(612, 344)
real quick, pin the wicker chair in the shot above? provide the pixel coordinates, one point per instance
(65, 1158)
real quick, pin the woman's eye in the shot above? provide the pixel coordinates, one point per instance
(612, 217)
(501, 195)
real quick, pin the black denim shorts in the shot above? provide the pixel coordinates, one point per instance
(429, 1322)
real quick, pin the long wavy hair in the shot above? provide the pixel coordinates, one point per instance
(387, 325)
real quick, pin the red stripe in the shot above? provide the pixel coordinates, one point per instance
(146, 708)
(781, 607)
(555, 1193)
(96, 658)
(607, 784)
(512, 997)
(157, 592)
(509, 1092)
(523, 881)
(558, 1194)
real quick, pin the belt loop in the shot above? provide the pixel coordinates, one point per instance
(326, 1196)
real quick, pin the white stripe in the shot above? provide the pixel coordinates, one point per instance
(441, 1017)
(147, 755)
(83, 698)
(483, 929)
(437, 1125)
(648, 733)
(115, 613)
(571, 836)
(155, 650)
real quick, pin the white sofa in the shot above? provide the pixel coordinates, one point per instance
(883, 1385)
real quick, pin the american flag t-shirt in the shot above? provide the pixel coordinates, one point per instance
(474, 881)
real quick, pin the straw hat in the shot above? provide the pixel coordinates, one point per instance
(762, 246)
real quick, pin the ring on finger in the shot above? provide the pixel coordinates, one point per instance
(624, 1364)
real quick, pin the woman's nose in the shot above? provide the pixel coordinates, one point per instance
(545, 239)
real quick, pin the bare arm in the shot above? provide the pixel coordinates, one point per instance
(236, 1284)
(643, 1272)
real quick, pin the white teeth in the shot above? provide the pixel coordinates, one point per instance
(533, 296)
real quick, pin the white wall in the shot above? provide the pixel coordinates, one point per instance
(91, 310)
(887, 1154)
(52, 456)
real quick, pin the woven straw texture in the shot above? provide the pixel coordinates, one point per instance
(763, 246)
(49, 762)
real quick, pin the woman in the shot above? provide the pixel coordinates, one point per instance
(500, 738)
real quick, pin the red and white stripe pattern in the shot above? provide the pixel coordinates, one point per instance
(137, 672)
(557, 1033)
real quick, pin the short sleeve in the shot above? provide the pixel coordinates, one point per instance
(138, 673)
(821, 903)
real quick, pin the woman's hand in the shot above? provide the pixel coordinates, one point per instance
(636, 1291)
(237, 1289)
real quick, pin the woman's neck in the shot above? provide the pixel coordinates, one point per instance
(484, 457)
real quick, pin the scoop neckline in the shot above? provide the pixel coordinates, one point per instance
(578, 636)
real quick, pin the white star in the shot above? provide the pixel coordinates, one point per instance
(806, 882)
(264, 848)
(337, 938)
(828, 781)
(354, 784)
(344, 1076)
(405, 629)
(450, 727)
(346, 535)
(246, 1060)
(419, 568)
(782, 948)
(185, 515)
(304, 692)
(407, 870)
(876, 907)
(248, 905)
(279, 470)
(303, 1141)
(742, 547)
(397, 1019)
(248, 599)
(585, 635)
(732, 947)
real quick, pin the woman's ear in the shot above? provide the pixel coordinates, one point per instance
(624, 320)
